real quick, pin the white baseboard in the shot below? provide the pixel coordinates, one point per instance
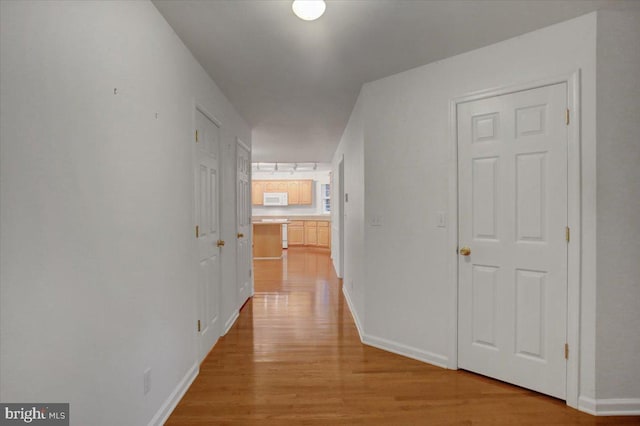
(610, 407)
(408, 351)
(170, 404)
(354, 313)
(230, 322)
(390, 346)
(587, 405)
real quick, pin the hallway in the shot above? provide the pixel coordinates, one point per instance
(294, 357)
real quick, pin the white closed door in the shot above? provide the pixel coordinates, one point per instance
(243, 220)
(207, 144)
(512, 171)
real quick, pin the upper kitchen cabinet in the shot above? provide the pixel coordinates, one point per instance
(275, 186)
(306, 192)
(299, 192)
(257, 192)
(293, 189)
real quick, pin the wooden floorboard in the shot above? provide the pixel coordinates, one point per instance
(294, 357)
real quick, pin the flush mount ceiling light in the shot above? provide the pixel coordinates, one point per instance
(308, 10)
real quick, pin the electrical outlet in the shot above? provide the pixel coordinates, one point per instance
(147, 381)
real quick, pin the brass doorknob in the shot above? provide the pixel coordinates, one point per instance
(240, 235)
(220, 243)
(465, 251)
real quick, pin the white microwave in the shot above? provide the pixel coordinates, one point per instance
(275, 199)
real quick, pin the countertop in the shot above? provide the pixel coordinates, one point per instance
(269, 222)
(258, 219)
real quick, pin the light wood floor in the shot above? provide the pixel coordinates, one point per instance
(294, 357)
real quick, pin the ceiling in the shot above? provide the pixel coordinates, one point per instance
(296, 82)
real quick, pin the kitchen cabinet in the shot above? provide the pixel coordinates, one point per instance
(275, 186)
(267, 240)
(324, 234)
(257, 192)
(300, 192)
(310, 233)
(295, 233)
(293, 189)
(306, 192)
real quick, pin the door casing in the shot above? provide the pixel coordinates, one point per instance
(573, 214)
(341, 207)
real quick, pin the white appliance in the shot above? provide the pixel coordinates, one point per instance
(285, 244)
(275, 199)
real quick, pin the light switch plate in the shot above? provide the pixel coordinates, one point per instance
(376, 220)
(442, 219)
(147, 381)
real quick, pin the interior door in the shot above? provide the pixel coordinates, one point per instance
(512, 166)
(243, 220)
(207, 208)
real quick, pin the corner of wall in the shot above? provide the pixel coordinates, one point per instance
(354, 313)
(609, 407)
(617, 318)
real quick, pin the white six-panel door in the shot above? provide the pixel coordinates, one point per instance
(207, 145)
(243, 219)
(512, 166)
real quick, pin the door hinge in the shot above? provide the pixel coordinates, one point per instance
(197, 139)
(197, 231)
(568, 233)
(568, 116)
(198, 325)
(250, 273)
(566, 351)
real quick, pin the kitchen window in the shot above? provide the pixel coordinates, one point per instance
(325, 189)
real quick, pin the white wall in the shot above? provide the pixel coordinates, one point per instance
(408, 303)
(98, 258)
(351, 151)
(319, 177)
(618, 212)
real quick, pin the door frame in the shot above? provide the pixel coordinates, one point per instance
(240, 142)
(572, 81)
(341, 225)
(197, 107)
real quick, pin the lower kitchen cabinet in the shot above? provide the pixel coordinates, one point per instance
(324, 235)
(310, 233)
(313, 233)
(295, 233)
